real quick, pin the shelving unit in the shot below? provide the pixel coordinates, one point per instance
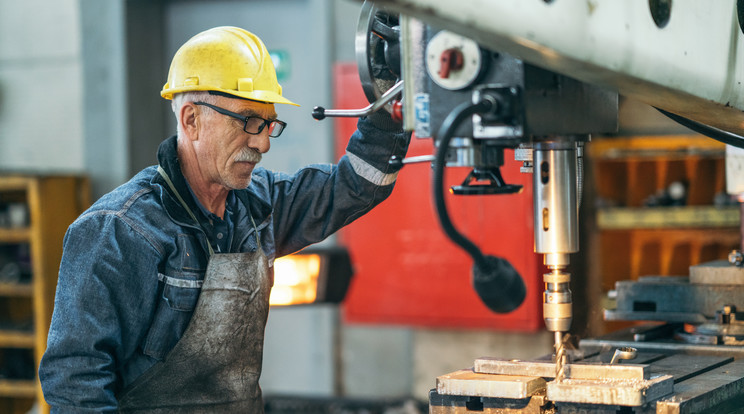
(632, 233)
(49, 203)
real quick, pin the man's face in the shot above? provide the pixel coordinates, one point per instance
(226, 153)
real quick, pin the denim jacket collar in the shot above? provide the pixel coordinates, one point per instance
(168, 159)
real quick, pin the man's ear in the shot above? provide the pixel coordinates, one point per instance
(189, 120)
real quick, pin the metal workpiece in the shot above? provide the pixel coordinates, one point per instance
(632, 393)
(719, 272)
(662, 383)
(662, 378)
(468, 382)
(589, 383)
(546, 369)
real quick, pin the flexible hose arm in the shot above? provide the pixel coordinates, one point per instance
(495, 280)
(446, 131)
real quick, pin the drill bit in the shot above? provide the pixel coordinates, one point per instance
(560, 357)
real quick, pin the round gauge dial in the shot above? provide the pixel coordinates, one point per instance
(453, 61)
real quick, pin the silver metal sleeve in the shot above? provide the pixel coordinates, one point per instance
(556, 211)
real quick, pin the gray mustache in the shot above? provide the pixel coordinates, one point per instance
(248, 155)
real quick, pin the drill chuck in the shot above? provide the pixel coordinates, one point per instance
(557, 301)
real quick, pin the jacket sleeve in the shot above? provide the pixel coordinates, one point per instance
(104, 299)
(320, 199)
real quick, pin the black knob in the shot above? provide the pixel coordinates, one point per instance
(319, 113)
(395, 161)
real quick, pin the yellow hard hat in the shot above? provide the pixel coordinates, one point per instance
(228, 60)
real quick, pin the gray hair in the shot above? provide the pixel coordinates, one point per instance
(180, 98)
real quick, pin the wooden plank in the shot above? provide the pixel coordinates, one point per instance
(655, 146)
(17, 388)
(17, 339)
(668, 217)
(22, 235)
(16, 289)
(14, 183)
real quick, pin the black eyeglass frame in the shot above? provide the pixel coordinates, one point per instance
(245, 119)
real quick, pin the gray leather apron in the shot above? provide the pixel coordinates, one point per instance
(215, 366)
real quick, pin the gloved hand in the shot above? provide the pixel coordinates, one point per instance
(382, 120)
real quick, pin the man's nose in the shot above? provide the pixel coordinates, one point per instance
(260, 142)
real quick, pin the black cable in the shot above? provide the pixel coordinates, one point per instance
(495, 280)
(707, 130)
(446, 131)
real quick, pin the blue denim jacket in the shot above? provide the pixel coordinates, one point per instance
(133, 264)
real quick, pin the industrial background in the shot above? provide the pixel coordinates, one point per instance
(79, 96)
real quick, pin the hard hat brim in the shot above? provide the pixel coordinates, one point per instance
(260, 96)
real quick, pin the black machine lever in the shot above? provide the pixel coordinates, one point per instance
(320, 113)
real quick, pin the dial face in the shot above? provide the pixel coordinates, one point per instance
(452, 61)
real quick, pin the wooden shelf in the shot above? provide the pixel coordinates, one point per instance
(17, 388)
(17, 339)
(658, 146)
(52, 203)
(15, 182)
(21, 235)
(634, 240)
(16, 289)
(668, 217)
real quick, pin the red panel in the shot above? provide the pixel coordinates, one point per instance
(406, 270)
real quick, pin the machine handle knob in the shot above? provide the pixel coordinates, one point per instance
(319, 113)
(451, 59)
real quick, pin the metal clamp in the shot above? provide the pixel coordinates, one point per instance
(625, 352)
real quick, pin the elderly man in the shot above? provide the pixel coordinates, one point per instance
(163, 288)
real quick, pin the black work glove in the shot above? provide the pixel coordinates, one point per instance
(382, 120)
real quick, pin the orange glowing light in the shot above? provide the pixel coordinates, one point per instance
(295, 280)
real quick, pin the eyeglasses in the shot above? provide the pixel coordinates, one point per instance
(253, 125)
